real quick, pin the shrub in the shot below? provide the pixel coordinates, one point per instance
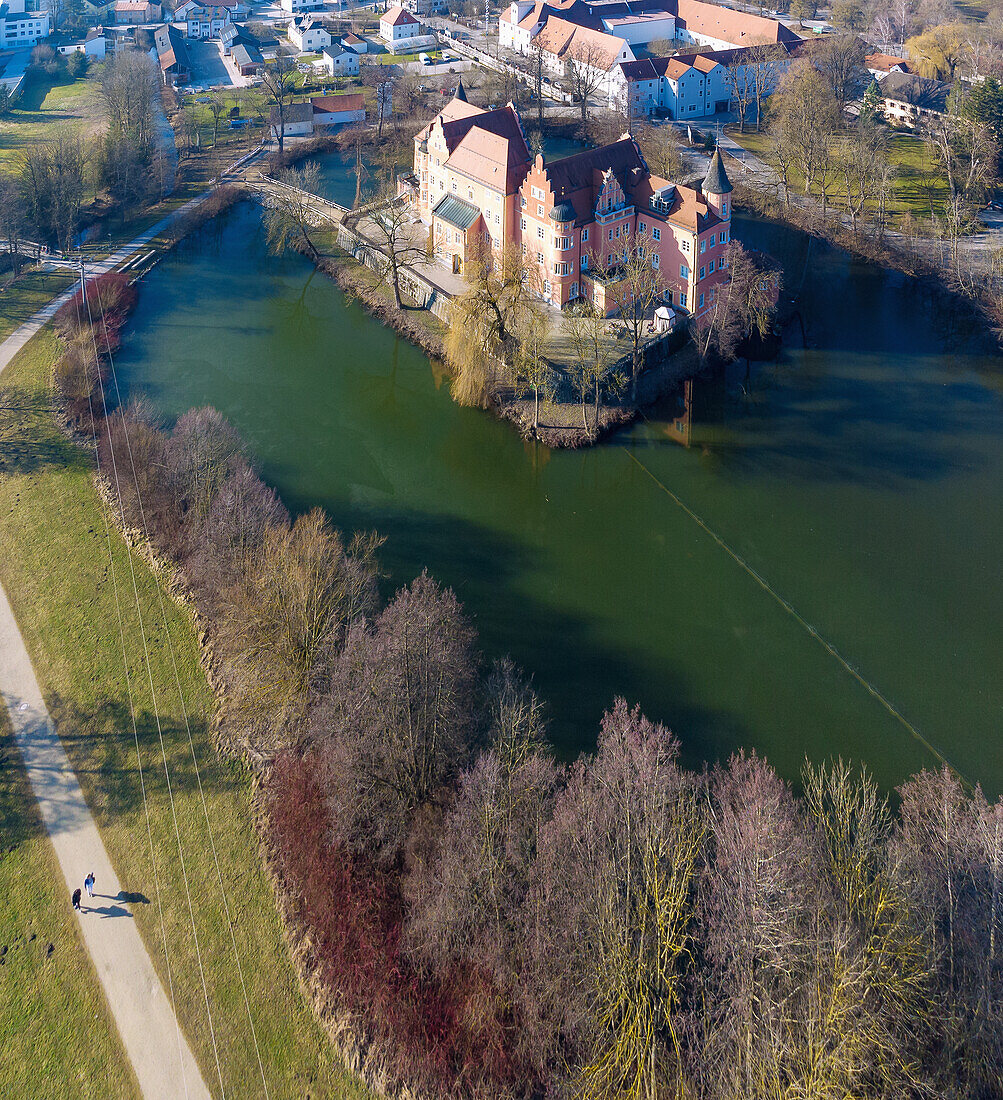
(398, 721)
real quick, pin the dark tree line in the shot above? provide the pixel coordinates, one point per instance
(496, 923)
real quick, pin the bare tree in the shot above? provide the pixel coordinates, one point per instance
(129, 90)
(632, 285)
(286, 622)
(13, 220)
(767, 63)
(744, 304)
(53, 178)
(217, 107)
(614, 888)
(805, 121)
(381, 78)
(840, 60)
(532, 369)
(594, 347)
(397, 246)
(860, 159)
(290, 214)
(754, 905)
(536, 70)
(739, 79)
(398, 721)
(278, 81)
(587, 67)
(660, 147)
(468, 899)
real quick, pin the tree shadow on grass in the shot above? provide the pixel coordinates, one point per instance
(29, 438)
(100, 742)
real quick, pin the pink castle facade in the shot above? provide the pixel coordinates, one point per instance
(477, 187)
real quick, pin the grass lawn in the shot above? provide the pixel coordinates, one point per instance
(918, 179)
(54, 566)
(56, 1033)
(46, 110)
(26, 295)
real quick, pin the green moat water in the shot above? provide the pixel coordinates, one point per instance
(860, 481)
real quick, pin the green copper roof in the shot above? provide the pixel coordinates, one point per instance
(457, 212)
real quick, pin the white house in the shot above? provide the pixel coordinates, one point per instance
(354, 43)
(308, 35)
(695, 85)
(333, 110)
(293, 7)
(397, 25)
(913, 101)
(880, 65)
(92, 46)
(19, 28)
(202, 20)
(338, 61)
(297, 120)
(567, 44)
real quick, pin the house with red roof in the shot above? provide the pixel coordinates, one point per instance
(397, 24)
(880, 65)
(616, 33)
(695, 85)
(478, 188)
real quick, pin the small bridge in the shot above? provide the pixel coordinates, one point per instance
(318, 211)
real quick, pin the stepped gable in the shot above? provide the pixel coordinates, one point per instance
(578, 179)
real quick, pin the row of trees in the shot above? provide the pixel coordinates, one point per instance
(44, 195)
(815, 149)
(499, 924)
(498, 329)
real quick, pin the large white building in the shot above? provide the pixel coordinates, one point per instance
(20, 27)
(308, 34)
(691, 86)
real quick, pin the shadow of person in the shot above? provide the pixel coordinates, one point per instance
(108, 911)
(132, 897)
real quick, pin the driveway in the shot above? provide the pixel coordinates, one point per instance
(208, 70)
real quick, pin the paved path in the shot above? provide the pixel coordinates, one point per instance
(162, 1060)
(160, 1056)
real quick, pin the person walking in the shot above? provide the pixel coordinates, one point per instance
(89, 884)
(76, 898)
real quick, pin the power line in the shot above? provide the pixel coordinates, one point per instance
(132, 710)
(798, 617)
(184, 712)
(156, 710)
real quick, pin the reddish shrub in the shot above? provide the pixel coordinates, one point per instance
(446, 1033)
(109, 301)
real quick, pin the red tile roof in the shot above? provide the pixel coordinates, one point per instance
(337, 103)
(396, 16)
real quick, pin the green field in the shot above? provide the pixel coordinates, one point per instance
(21, 298)
(46, 110)
(56, 1033)
(54, 566)
(919, 186)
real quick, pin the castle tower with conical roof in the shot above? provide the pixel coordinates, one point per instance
(461, 92)
(716, 187)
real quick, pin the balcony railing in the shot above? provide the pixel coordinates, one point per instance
(622, 212)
